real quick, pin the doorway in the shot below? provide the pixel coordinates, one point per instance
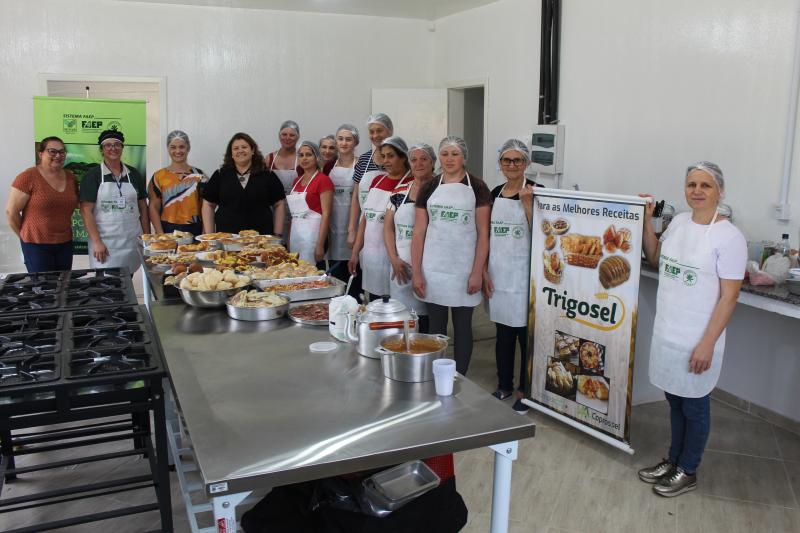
(465, 115)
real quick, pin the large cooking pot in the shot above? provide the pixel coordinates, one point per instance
(400, 365)
(379, 320)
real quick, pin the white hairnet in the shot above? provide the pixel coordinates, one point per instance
(396, 142)
(328, 136)
(382, 119)
(290, 124)
(314, 148)
(178, 134)
(427, 148)
(458, 142)
(352, 129)
(519, 146)
(713, 170)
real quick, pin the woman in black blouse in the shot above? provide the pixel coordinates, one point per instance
(243, 194)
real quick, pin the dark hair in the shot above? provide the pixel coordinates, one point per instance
(257, 162)
(43, 143)
(406, 162)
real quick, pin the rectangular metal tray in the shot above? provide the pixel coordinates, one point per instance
(397, 486)
(336, 288)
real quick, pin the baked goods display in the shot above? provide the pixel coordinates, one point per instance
(255, 298)
(271, 255)
(614, 239)
(560, 226)
(211, 279)
(553, 267)
(232, 260)
(214, 236)
(162, 245)
(196, 247)
(593, 387)
(550, 242)
(248, 233)
(614, 271)
(581, 250)
(169, 259)
(289, 270)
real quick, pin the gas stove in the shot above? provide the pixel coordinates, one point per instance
(26, 323)
(28, 344)
(94, 297)
(109, 316)
(104, 361)
(29, 303)
(120, 336)
(28, 370)
(109, 278)
(35, 277)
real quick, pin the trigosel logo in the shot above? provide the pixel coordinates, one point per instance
(577, 308)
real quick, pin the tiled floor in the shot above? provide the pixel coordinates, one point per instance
(563, 481)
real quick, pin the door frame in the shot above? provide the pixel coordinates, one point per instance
(471, 83)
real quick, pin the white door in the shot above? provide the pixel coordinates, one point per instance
(418, 115)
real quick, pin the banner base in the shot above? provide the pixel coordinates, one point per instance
(618, 444)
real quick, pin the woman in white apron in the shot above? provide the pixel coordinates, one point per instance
(507, 277)
(450, 246)
(327, 150)
(701, 261)
(310, 201)
(398, 229)
(114, 207)
(368, 166)
(283, 161)
(369, 249)
(341, 174)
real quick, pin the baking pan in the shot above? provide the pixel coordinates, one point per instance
(257, 314)
(336, 288)
(397, 486)
(263, 284)
(292, 305)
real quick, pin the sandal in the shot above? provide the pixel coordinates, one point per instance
(501, 394)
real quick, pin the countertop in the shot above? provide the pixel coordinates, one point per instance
(263, 410)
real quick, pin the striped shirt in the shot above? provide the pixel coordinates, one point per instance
(364, 164)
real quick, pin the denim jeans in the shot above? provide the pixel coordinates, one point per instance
(691, 423)
(504, 350)
(47, 257)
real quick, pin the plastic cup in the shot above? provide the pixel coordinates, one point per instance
(444, 373)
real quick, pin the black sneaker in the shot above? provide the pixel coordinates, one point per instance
(520, 407)
(501, 394)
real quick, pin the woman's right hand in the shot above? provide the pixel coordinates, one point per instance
(401, 271)
(351, 238)
(352, 265)
(99, 251)
(649, 206)
(418, 284)
(488, 286)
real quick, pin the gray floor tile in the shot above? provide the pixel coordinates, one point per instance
(481, 523)
(789, 444)
(706, 514)
(745, 478)
(793, 471)
(747, 436)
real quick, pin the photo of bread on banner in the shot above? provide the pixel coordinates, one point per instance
(593, 388)
(581, 250)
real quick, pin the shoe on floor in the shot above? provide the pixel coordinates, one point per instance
(501, 394)
(675, 483)
(520, 407)
(652, 474)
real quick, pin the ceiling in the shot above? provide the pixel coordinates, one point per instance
(414, 9)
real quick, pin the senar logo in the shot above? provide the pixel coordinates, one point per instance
(580, 310)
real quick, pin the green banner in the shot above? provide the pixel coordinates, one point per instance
(78, 122)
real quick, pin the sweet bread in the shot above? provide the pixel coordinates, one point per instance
(581, 250)
(550, 242)
(553, 267)
(163, 245)
(614, 271)
(197, 247)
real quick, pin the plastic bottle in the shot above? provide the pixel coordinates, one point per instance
(783, 246)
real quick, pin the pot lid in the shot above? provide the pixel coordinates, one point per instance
(386, 306)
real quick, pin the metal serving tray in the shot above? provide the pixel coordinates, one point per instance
(264, 283)
(257, 314)
(336, 288)
(397, 486)
(292, 305)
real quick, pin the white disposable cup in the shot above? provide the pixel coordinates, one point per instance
(444, 373)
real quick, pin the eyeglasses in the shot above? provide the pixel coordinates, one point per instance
(112, 146)
(511, 162)
(56, 153)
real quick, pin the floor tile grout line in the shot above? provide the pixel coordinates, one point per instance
(786, 471)
(739, 500)
(742, 454)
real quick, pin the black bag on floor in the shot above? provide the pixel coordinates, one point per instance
(288, 509)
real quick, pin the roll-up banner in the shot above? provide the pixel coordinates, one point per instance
(78, 122)
(584, 290)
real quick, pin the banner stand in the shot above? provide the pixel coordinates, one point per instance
(620, 445)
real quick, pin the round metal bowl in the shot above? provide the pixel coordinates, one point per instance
(794, 286)
(257, 314)
(207, 298)
(411, 368)
(232, 246)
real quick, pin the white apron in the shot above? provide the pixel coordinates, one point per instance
(305, 223)
(116, 212)
(342, 178)
(403, 232)
(509, 262)
(375, 266)
(286, 177)
(366, 181)
(450, 245)
(688, 290)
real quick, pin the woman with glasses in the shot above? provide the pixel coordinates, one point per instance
(39, 209)
(114, 207)
(506, 278)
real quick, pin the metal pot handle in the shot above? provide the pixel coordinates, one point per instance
(383, 351)
(442, 337)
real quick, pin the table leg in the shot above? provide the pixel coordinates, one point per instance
(504, 456)
(225, 510)
(162, 462)
(146, 292)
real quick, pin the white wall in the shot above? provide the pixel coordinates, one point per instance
(226, 69)
(497, 44)
(649, 87)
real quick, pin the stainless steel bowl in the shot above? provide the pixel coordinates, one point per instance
(794, 286)
(207, 298)
(411, 368)
(256, 314)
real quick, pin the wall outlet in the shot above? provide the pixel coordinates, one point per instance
(782, 212)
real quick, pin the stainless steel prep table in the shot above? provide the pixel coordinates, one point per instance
(263, 411)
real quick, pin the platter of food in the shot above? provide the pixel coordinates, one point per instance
(213, 238)
(304, 288)
(255, 305)
(166, 262)
(181, 237)
(163, 246)
(208, 288)
(193, 248)
(287, 270)
(310, 314)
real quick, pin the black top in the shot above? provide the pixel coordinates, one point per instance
(482, 195)
(244, 208)
(496, 190)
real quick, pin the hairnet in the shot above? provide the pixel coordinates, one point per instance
(314, 148)
(178, 134)
(519, 146)
(290, 124)
(458, 142)
(382, 119)
(396, 142)
(712, 170)
(328, 136)
(427, 148)
(352, 129)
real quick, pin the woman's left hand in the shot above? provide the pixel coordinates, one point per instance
(319, 253)
(526, 195)
(701, 358)
(475, 282)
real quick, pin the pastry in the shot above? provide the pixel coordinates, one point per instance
(553, 267)
(550, 242)
(546, 227)
(590, 355)
(614, 239)
(593, 388)
(162, 245)
(614, 271)
(560, 226)
(581, 250)
(199, 247)
(248, 233)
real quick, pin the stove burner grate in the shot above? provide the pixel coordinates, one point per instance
(24, 324)
(30, 302)
(109, 337)
(29, 344)
(97, 362)
(116, 316)
(27, 370)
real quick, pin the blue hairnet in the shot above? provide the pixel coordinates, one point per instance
(458, 142)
